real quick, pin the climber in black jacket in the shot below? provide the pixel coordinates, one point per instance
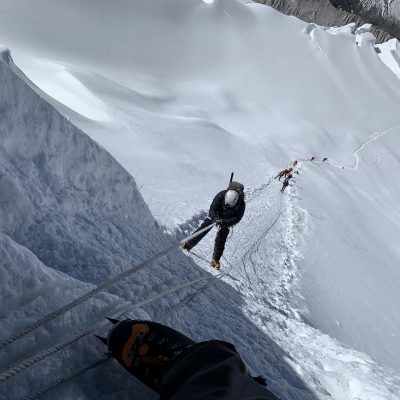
(226, 210)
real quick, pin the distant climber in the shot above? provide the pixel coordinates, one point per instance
(325, 159)
(295, 163)
(312, 158)
(286, 182)
(227, 209)
(178, 368)
(283, 173)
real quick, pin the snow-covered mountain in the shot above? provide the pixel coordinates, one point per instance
(385, 13)
(181, 93)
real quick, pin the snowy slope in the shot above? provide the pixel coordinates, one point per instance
(48, 197)
(389, 53)
(160, 93)
(67, 205)
(264, 257)
(181, 94)
(351, 280)
(64, 210)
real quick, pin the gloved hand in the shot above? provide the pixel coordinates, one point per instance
(221, 222)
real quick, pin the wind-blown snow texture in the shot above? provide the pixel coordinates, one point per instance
(181, 93)
(47, 197)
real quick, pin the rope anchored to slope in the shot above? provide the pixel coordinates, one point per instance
(51, 316)
(50, 386)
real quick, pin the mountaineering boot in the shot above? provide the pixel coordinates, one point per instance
(186, 246)
(146, 349)
(215, 264)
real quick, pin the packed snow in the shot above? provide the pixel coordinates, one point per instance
(389, 53)
(119, 125)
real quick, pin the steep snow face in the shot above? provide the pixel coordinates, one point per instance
(57, 82)
(351, 277)
(28, 287)
(62, 195)
(195, 90)
(207, 74)
(29, 290)
(389, 53)
(67, 210)
(61, 205)
(262, 257)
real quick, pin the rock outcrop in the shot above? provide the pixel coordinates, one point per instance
(338, 13)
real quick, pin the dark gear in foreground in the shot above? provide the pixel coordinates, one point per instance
(227, 209)
(178, 368)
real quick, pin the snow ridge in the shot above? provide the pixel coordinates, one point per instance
(56, 180)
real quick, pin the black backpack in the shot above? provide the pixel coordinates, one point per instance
(238, 187)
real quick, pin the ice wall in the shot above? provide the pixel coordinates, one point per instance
(63, 196)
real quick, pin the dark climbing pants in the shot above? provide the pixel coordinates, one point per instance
(194, 241)
(220, 239)
(211, 371)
